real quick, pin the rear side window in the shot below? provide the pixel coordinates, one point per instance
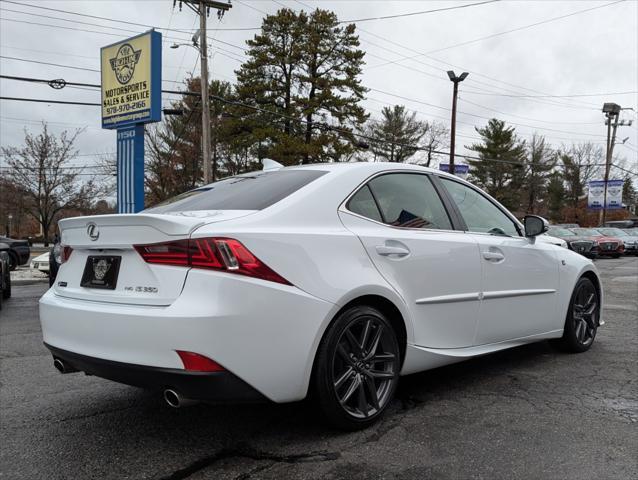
(401, 200)
(254, 191)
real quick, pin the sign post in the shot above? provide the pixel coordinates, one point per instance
(131, 96)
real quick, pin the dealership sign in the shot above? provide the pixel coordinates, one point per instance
(596, 197)
(132, 81)
(131, 97)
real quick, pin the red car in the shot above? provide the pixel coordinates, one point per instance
(607, 246)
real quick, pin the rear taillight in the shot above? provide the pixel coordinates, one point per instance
(225, 254)
(65, 253)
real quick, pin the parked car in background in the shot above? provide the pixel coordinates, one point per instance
(632, 232)
(631, 242)
(41, 263)
(607, 246)
(19, 251)
(545, 238)
(5, 276)
(583, 245)
(567, 225)
(631, 223)
(55, 260)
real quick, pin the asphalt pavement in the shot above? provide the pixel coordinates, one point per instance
(527, 413)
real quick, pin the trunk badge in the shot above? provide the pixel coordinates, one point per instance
(92, 231)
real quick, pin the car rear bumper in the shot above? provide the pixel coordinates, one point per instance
(204, 386)
(262, 332)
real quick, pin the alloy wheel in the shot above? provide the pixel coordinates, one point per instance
(585, 313)
(365, 367)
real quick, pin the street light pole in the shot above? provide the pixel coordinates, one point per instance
(456, 80)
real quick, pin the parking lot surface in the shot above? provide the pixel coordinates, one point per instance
(531, 412)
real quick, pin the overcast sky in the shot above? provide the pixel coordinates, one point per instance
(512, 75)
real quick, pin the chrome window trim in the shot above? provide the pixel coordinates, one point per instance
(344, 209)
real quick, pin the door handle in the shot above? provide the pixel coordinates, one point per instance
(493, 256)
(387, 250)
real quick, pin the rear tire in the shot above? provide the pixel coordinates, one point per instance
(13, 261)
(6, 293)
(582, 319)
(357, 368)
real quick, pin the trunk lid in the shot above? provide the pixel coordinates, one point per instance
(114, 236)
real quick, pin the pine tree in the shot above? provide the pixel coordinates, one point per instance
(555, 195)
(540, 162)
(399, 133)
(629, 196)
(500, 170)
(306, 69)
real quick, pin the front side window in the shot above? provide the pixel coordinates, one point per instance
(479, 213)
(404, 200)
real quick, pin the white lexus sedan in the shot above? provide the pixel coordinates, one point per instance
(331, 279)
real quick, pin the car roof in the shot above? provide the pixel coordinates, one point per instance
(371, 167)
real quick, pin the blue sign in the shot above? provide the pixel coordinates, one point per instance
(459, 169)
(130, 169)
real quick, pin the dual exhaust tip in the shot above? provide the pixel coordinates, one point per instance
(63, 367)
(176, 400)
(171, 397)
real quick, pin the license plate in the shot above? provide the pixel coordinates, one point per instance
(101, 271)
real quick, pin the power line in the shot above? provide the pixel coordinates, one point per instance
(423, 12)
(555, 96)
(553, 19)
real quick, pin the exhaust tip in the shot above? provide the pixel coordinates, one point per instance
(59, 365)
(172, 398)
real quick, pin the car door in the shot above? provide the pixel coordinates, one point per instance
(519, 274)
(409, 237)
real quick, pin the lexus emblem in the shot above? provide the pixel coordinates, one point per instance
(92, 231)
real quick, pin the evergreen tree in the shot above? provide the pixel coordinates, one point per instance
(540, 162)
(305, 68)
(555, 195)
(500, 170)
(399, 133)
(629, 196)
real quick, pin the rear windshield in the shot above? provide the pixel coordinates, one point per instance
(254, 191)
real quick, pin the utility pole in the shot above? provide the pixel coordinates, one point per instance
(456, 80)
(202, 7)
(612, 114)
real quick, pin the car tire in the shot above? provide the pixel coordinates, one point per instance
(582, 319)
(13, 261)
(6, 293)
(356, 368)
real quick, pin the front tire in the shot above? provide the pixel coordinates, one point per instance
(357, 368)
(7, 286)
(582, 319)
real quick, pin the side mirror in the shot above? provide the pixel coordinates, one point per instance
(535, 225)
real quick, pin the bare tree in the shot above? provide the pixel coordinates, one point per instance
(437, 137)
(41, 168)
(581, 164)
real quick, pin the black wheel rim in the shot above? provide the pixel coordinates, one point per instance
(365, 367)
(585, 313)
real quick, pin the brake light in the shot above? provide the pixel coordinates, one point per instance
(224, 254)
(194, 362)
(65, 253)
